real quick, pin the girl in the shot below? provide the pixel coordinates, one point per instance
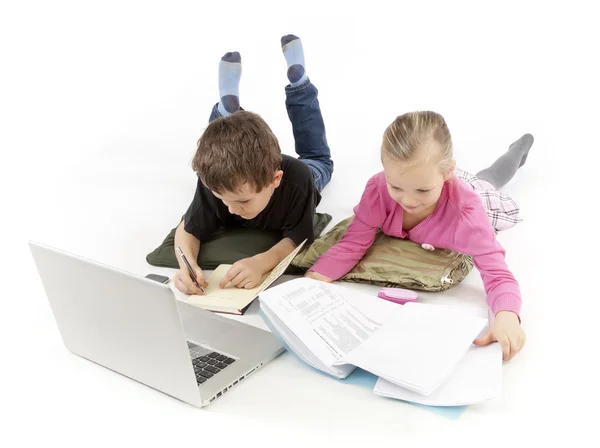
(418, 196)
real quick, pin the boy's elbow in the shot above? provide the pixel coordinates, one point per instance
(288, 246)
(180, 230)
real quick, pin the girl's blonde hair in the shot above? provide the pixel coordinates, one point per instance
(410, 131)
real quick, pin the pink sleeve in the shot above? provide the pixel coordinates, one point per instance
(475, 236)
(368, 217)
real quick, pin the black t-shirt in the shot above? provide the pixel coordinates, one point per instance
(290, 210)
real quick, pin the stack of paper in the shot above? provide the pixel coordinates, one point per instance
(415, 348)
(477, 378)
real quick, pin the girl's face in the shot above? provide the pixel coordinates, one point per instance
(415, 185)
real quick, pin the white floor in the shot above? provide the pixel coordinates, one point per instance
(100, 111)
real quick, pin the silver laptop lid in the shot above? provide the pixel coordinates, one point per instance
(124, 322)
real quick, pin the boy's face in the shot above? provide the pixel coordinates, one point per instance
(246, 202)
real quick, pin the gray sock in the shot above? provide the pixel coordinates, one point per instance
(504, 169)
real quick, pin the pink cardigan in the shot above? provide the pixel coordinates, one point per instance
(459, 223)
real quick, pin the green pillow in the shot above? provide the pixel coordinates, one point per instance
(394, 262)
(227, 246)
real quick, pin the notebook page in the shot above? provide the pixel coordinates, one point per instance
(232, 296)
(229, 296)
(278, 270)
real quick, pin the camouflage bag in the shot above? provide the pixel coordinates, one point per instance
(394, 262)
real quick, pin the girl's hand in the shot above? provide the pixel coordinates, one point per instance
(317, 276)
(507, 330)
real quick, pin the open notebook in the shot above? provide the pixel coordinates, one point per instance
(335, 329)
(235, 300)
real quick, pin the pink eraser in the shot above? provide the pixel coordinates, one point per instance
(397, 295)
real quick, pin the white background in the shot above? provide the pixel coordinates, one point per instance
(101, 104)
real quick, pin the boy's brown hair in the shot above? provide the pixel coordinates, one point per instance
(237, 149)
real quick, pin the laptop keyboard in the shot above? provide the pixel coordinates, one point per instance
(207, 363)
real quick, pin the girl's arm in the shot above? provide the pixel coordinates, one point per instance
(475, 236)
(368, 217)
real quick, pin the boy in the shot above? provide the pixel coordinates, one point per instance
(245, 181)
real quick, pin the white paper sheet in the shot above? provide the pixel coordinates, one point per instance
(477, 378)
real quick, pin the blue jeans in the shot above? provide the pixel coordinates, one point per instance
(304, 112)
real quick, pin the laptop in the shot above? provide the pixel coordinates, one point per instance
(135, 326)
